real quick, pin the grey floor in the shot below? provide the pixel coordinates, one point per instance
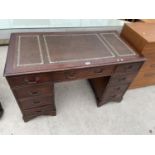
(77, 112)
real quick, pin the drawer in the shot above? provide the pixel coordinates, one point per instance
(33, 91)
(83, 73)
(122, 78)
(113, 94)
(33, 115)
(117, 90)
(39, 111)
(112, 97)
(26, 80)
(130, 67)
(36, 102)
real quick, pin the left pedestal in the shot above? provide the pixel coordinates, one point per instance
(34, 99)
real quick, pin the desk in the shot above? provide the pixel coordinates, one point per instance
(36, 61)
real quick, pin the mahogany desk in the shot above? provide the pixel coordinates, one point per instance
(36, 61)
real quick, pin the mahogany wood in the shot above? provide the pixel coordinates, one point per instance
(36, 61)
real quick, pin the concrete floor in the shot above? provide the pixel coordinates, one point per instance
(77, 112)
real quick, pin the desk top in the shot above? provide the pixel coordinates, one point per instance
(54, 51)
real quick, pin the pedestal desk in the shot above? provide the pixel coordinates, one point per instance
(36, 61)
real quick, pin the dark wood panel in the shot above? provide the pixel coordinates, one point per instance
(33, 91)
(39, 110)
(36, 61)
(99, 85)
(122, 78)
(36, 102)
(27, 118)
(127, 68)
(66, 75)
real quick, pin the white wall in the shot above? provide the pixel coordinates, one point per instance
(8, 26)
(40, 23)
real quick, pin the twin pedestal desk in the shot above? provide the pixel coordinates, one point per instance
(36, 61)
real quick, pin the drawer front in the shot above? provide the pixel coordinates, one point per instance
(33, 115)
(122, 79)
(39, 111)
(127, 68)
(60, 76)
(33, 91)
(83, 73)
(36, 102)
(26, 80)
(113, 92)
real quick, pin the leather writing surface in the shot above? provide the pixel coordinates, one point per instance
(29, 51)
(117, 45)
(76, 47)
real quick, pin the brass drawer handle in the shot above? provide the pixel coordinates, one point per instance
(70, 75)
(122, 79)
(113, 96)
(129, 67)
(39, 111)
(118, 88)
(34, 81)
(34, 93)
(98, 71)
(36, 102)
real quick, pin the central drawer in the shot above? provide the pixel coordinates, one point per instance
(33, 91)
(83, 73)
(25, 80)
